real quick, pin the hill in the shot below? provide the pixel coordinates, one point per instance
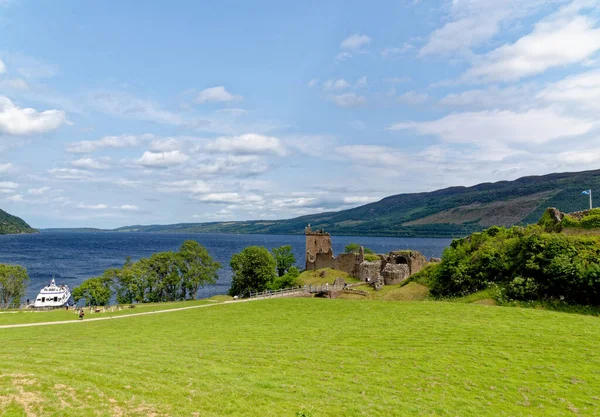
(451, 212)
(307, 357)
(10, 224)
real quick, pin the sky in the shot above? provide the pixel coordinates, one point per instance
(121, 113)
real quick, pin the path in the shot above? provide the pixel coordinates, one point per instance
(50, 323)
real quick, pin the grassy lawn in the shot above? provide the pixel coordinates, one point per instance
(17, 317)
(329, 275)
(311, 357)
(409, 292)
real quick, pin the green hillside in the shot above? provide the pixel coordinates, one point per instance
(10, 224)
(307, 358)
(451, 212)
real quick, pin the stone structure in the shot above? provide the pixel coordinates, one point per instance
(390, 269)
(319, 253)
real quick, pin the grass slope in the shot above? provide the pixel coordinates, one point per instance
(292, 357)
(329, 276)
(10, 224)
(451, 212)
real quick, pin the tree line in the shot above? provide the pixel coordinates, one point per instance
(177, 276)
(164, 276)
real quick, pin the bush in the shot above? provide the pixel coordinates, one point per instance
(591, 222)
(526, 264)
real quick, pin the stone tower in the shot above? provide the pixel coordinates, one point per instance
(319, 253)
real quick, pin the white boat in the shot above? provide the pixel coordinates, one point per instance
(53, 296)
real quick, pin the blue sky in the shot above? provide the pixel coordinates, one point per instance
(114, 114)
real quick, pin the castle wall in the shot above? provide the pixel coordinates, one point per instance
(346, 262)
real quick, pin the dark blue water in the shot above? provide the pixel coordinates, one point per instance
(74, 257)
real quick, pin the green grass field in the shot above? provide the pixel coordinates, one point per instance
(308, 357)
(32, 316)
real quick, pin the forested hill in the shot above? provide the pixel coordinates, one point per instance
(10, 224)
(451, 212)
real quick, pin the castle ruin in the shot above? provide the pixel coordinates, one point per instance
(389, 269)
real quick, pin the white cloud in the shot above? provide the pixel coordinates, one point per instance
(69, 174)
(227, 198)
(14, 84)
(561, 39)
(38, 191)
(472, 23)
(129, 207)
(6, 167)
(2, 67)
(162, 159)
(122, 141)
(412, 97)
(126, 105)
(355, 41)
(581, 91)
(92, 206)
(396, 51)
(342, 56)
(165, 145)
(492, 97)
(217, 95)
(187, 186)
(339, 84)
(8, 186)
(348, 100)
(233, 112)
(313, 82)
(249, 144)
(89, 163)
(533, 126)
(17, 198)
(26, 121)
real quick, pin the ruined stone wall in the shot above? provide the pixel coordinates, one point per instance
(319, 253)
(395, 273)
(368, 271)
(346, 262)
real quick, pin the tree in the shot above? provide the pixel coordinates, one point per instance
(253, 271)
(355, 248)
(95, 291)
(290, 279)
(284, 257)
(197, 268)
(13, 283)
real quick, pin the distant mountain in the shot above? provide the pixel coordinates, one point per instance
(451, 212)
(10, 224)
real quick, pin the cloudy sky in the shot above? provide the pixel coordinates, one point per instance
(114, 114)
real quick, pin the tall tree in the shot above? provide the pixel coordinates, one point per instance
(197, 268)
(284, 257)
(13, 283)
(253, 271)
(95, 291)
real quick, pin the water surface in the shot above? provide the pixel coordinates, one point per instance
(74, 257)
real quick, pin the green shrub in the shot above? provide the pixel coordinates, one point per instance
(569, 221)
(591, 222)
(371, 258)
(526, 264)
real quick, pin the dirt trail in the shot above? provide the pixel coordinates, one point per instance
(50, 323)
